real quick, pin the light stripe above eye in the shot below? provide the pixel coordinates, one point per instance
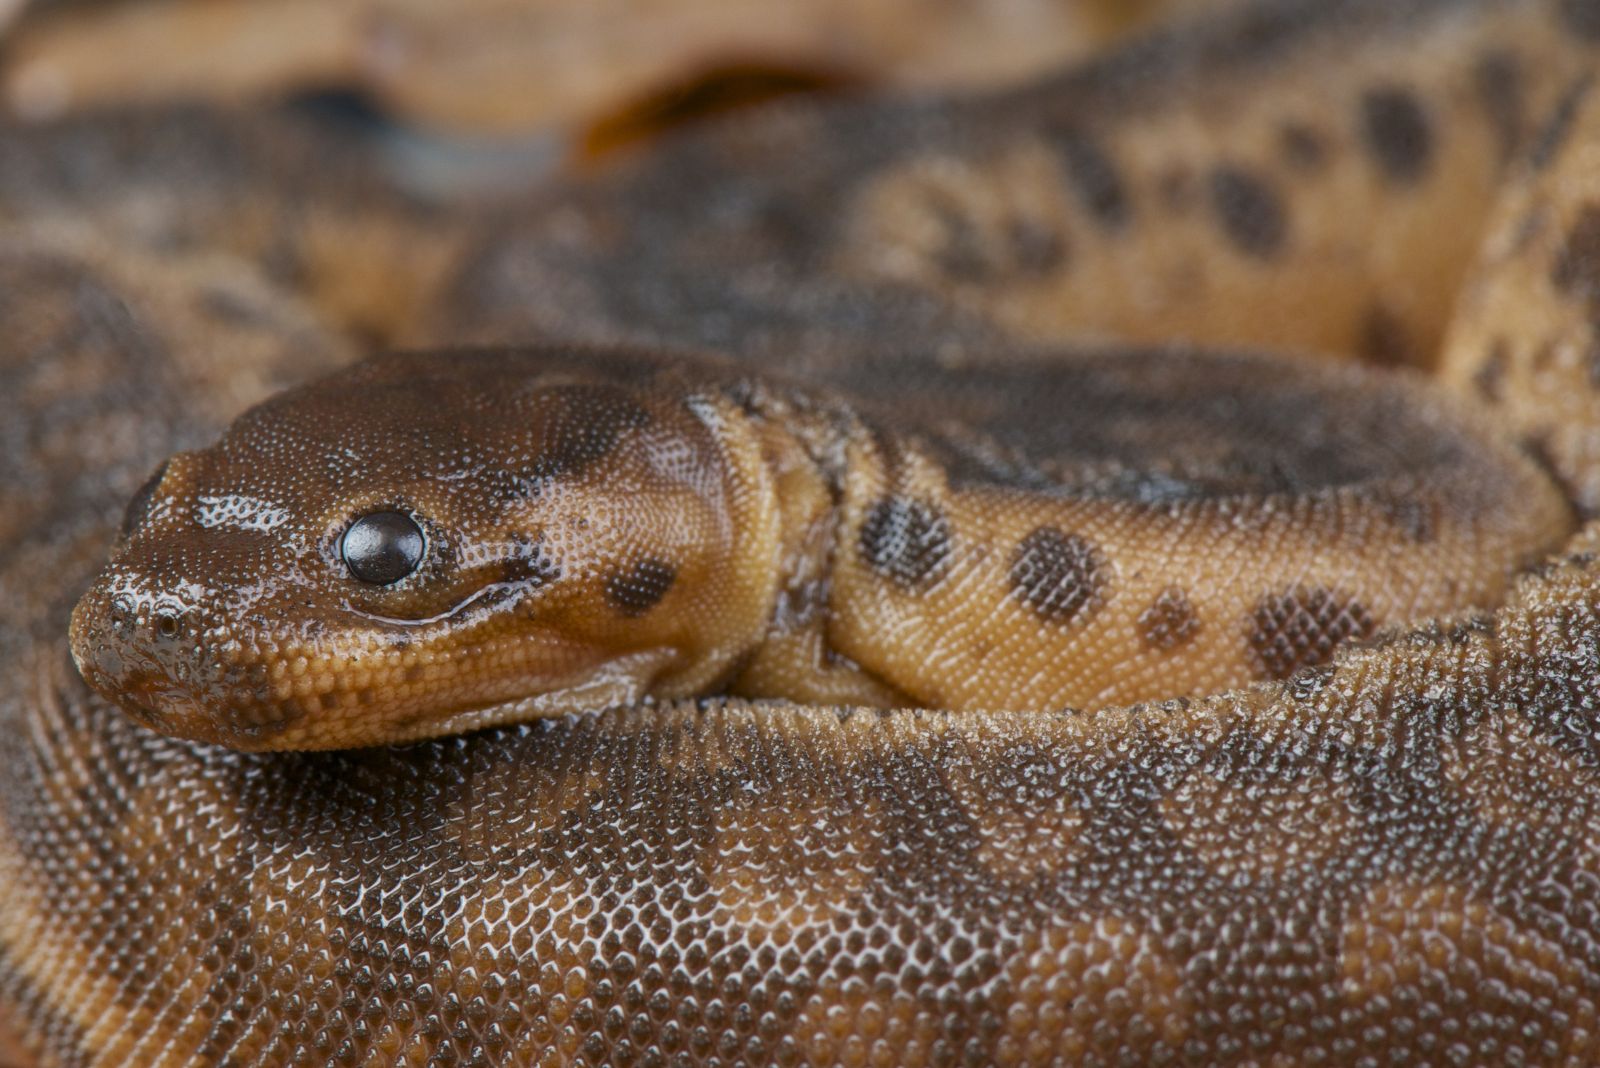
(240, 512)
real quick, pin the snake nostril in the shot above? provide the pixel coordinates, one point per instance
(122, 611)
(167, 625)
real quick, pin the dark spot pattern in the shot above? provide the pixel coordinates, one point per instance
(529, 563)
(1169, 622)
(1384, 340)
(1094, 179)
(1302, 627)
(1057, 575)
(584, 425)
(906, 541)
(1250, 211)
(640, 588)
(1582, 17)
(1303, 147)
(1024, 247)
(1036, 249)
(1576, 271)
(1498, 80)
(961, 253)
(1553, 137)
(1396, 131)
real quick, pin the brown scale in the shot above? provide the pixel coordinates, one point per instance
(1390, 857)
(571, 542)
(1303, 175)
(1526, 337)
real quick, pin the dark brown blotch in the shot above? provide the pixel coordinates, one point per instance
(1250, 211)
(1397, 133)
(906, 541)
(1302, 626)
(529, 563)
(639, 588)
(1169, 622)
(1576, 271)
(1026, 247)
(1582, 17)
(583, 426)
(1036, 248)
(1094, 178)
(1384, 338)
(1303, 147)
(1058, 575)
(1498, 80)
(961, 254)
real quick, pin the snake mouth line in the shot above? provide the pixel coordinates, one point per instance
(453, 612)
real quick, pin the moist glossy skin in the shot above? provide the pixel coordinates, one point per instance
(583, 542)
(1392, 858)
(578, 529)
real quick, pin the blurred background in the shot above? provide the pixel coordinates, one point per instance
(543, 83)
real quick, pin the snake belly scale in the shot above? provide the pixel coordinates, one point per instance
(985, 680)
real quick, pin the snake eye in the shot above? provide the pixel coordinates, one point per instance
(383, 547)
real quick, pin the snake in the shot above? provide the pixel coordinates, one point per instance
(888, 607)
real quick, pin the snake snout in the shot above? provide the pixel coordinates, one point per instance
(139, 646)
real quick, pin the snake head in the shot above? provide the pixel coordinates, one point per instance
(427, 543)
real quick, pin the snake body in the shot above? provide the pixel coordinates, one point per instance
(1381, 846)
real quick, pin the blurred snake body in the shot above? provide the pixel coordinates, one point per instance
(990, 656)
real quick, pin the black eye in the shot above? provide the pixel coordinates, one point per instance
(383, 547)
(139, 507)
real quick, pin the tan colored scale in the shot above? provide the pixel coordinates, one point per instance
(1303, 176)
(1265, 199)
(1392, 856)
(600, 527)
(1526, 336)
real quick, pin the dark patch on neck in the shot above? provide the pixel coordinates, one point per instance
(637, 589)
(906, 541)
(584, 424)
(1250, 211)
(1397, 133)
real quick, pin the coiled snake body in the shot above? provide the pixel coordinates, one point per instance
(1257, 695)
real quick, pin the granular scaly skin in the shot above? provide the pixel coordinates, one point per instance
(1263, 179)
(595, 527)
(1391, 857)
